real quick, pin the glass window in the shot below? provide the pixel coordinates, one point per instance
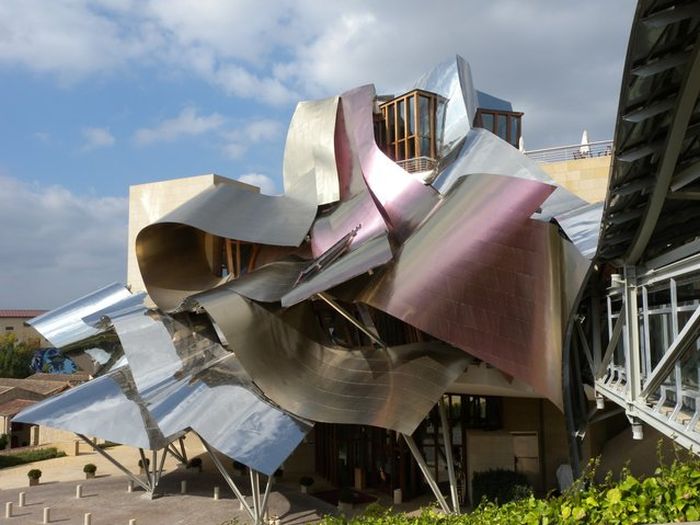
(401, 119)
(425, 147)
(410, 114)
(391, 137)
(400, 150)
(487, 121)
(502, 130)
(411, 148)
(424, 116)
(514, 130)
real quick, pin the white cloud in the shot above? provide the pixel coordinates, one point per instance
(237, 141)
(187, 123)
(60, 246)
(265, 183)
(97, 138)
(561, 62)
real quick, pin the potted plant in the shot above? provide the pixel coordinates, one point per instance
(143, 466)
(346, 499)
(305, 482)
(195, 463)
(90, 470)
(34, 476)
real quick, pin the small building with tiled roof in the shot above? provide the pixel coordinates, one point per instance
(12, 321)
(10, 409)
(17, 394)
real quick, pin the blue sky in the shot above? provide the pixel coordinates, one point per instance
(100, 95)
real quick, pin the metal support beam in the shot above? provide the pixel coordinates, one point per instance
(330, 302)
(584, 345)
(227, 478)
(687, 98)
(114, 462)
(146, 469)
(447, 438)
(614, 339)
(633, 369)
(255, 490)
(426, 472)
(266, 497)
(675, 352)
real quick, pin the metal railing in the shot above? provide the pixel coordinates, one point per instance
(600, 148)
(417, 164)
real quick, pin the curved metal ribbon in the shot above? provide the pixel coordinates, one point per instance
(392, 389)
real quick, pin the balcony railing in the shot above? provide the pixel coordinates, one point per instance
(600, 148)
(417, 164)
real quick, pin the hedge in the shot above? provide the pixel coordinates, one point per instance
(672, 494)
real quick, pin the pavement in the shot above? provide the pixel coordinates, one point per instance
(107, 499)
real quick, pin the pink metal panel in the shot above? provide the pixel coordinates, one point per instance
(483, 276)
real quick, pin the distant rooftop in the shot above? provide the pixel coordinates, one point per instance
(14, 407)
(28, 314)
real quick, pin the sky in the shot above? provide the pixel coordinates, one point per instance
(97, 96)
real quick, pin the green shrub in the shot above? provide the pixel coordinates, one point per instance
(90, 468)
(35, 473)
(4, 439)
(12, 460)
(671, 495)
(194, 463)
(499, 485)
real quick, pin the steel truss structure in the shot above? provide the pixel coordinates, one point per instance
(634, 340)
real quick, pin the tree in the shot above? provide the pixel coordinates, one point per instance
(15, 357)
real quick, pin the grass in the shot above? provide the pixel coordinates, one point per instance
(30, 456)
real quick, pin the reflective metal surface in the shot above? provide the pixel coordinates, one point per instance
(492, 285)
(368, 256)
(356, 206)
(109, 407)
(310, 149)
(393, 389)
(176, 254)
(453, 81)
(404, 201)
(582, 226)
(64, 325)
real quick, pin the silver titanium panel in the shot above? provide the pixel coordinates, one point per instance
(224, 407)
(64, 325)
(267, 284)
(452, 80)
(484, 152)
(582, 226)
(367, 256)
(393, 388)
(108, 407)
(187, 380)
(310, 149)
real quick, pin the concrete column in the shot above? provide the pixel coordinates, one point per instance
(216, 493)
(183, 486)
(8, 509)
(130, 486)
(78, 491)
(22, 499)
(47, 515)
(87, 519)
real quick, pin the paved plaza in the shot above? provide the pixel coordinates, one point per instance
(107, 499)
